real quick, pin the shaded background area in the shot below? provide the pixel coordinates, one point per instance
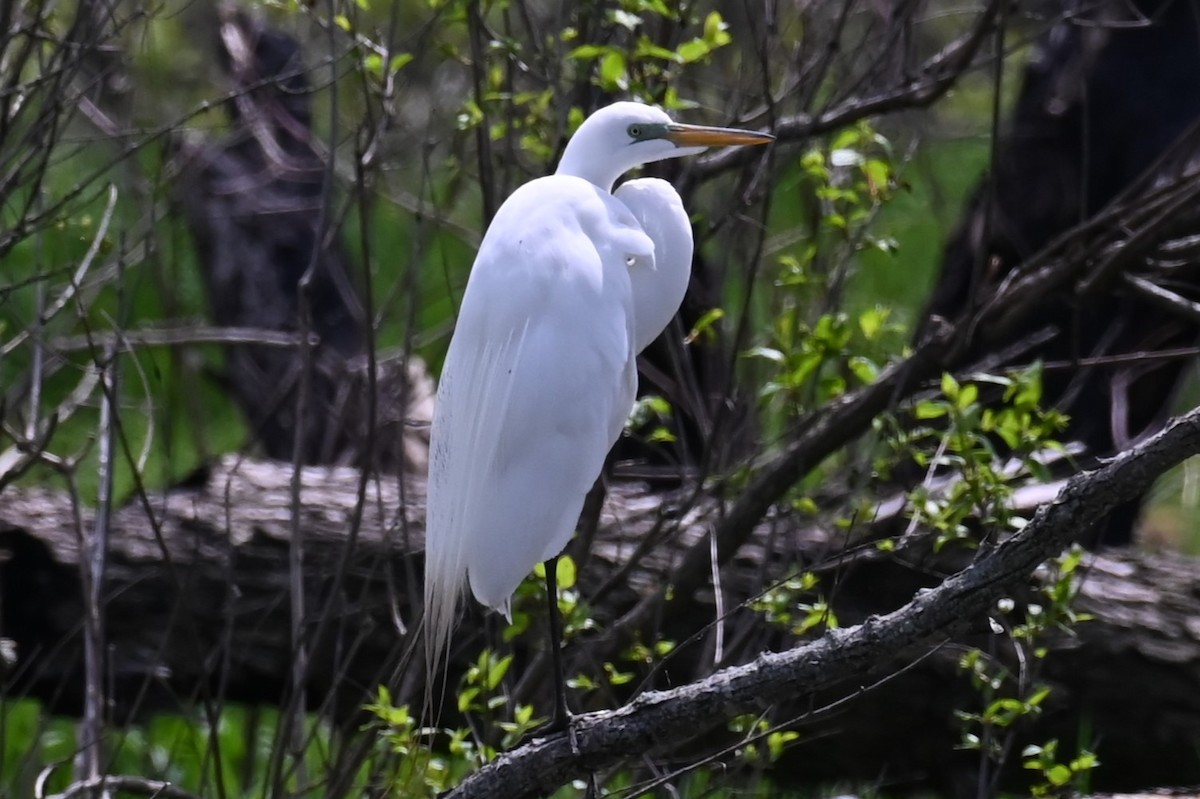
(1104, 99)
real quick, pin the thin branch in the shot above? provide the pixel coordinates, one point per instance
(73, 288)
(938, 76)
(1167, 300)
(128, 340)
(156, 789)
(93, 572)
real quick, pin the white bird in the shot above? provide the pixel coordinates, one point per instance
(571, 282)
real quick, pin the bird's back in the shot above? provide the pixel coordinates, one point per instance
(537, 383)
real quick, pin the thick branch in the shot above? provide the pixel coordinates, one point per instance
(196, 610)
(852, 655)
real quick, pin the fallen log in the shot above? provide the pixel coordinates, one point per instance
(197, 610)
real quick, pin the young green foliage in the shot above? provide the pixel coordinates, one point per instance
(963, 439)
(1009, 697)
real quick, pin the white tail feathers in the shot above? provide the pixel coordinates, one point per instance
(445, 547)
(472, 400)
(444, 585)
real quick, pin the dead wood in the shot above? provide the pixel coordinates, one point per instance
(197, 610)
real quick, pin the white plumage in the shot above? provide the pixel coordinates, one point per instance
(570, 283)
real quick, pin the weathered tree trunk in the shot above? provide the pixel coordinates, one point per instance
(197, 610)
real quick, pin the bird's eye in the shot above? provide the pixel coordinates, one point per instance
(635, 131)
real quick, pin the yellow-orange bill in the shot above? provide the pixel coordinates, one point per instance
(701, 136)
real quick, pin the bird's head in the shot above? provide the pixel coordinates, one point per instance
(625, 135)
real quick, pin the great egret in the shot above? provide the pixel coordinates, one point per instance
(570, 283)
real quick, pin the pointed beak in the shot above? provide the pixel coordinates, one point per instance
(701, 136)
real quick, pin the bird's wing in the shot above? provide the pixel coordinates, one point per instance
(537, 382)
(658, 291)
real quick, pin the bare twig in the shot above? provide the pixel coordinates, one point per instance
(1168, 300)
(155, 789)
(93, 578)
(938, 75)
(184, 336)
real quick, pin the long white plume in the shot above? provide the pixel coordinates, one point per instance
(472, 396)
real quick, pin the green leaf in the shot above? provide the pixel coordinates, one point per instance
(661, 435)
(949, 386)
(871, 321)
(967, 396)
(767, 354)
(587, 52)
(616, 677)
(581, 682)
(1069, 563)
(716, 32)
(564, 573)
(1003, 712)
(692, 51)
(705, 324)
(849, 137)
(496, 672)
(658, 7)
(648, 49)
(864, 369)
(659, 405)
(806, 505)
(930, 410)
(613, 73)
(466, 699)
(877, 172)
(804, 369)
(1038, 697)
(672, 102)
(1058, 775)
(777, 740)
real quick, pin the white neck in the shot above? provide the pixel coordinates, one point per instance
(580, 160)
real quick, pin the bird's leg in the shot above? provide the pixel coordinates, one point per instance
(562, 715)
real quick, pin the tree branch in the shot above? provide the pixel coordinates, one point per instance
(1069, 257)
(156, 789)
(936, 77)
(653, 720)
